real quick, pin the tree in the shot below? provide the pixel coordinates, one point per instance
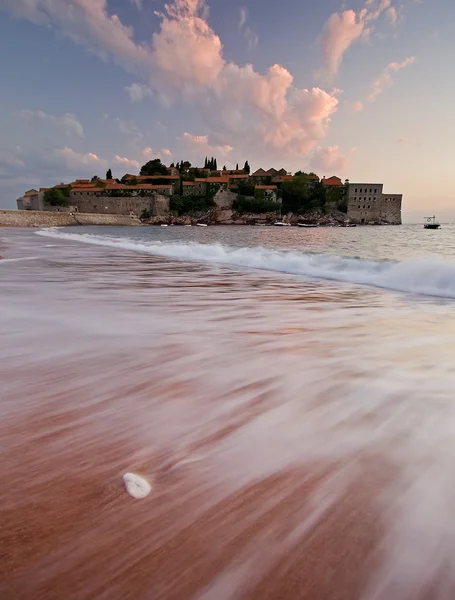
(246, 168)
(55, 197)
(172, 166)
(109, 174)
(206, 163)
(215, 166)
(154, 167)
(224, 168)
(237, 167)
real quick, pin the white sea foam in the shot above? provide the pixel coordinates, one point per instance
(136, 486)
(4, 261)
(434, 277)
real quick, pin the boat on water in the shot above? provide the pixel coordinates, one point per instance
(281, 224)
(202, 225)
(431, 223)
(307, 225)
(163, 225)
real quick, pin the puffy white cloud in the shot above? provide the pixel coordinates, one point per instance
(164, 154)
(138, 92)
(76, 160)
(126, 163)
(198, 146)
(392, 15)
(68, 123)
(385, 79)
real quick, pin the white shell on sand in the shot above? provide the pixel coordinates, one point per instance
(136, 486)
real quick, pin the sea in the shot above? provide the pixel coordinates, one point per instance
(288, 393)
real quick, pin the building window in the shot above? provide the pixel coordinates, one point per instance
(359, 206)
(365, 199)
(375, 190)
(374, 199)
(355, 198)
(369, 199)
(370, 190)
(364, 207)
(368, 207)
(356, 190)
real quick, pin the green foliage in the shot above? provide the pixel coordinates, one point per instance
(255, 205)
(66, 191)
(154, 167)
(108, 174)
(132, 181)
(190, 205)
(55, 197)
(245, 187)
(300, 195)
(247, 168)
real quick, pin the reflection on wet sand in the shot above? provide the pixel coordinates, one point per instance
(285, 448)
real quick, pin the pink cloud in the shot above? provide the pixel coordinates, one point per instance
(74, 160)
(402, 140)
(342, 29)
(185, 61)
(385, 79)
(357, 106)
(392, 15)
(126, 163)
(329, 160)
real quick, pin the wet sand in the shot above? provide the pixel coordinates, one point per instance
(278, 440)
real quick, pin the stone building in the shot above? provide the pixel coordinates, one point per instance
(118, 199)
(368, 204)
(268, 192)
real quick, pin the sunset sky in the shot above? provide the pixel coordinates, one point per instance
(361, 89)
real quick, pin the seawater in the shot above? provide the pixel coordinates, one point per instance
(287, 392)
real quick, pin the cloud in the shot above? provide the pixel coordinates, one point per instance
(164, 154)
(248, 33)
(329, 160)
(385, 79)
(75, 160)
(357, 106)
(199, 146)
(392, 15)
(342, 29)
(127, 163)
(68, 123)
(138, 92)
(256, 112)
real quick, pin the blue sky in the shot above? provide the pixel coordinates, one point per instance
(359, 88)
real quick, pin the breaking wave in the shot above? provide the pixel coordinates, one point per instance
(416, 276)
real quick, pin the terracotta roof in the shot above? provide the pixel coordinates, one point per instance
(283, 178)
(150, 187)
(43, 189)
(332, 181)
(188, 183)
(86, 190)
(31, 193)
(259, 173)
(239, 176)
(265, 187)
(214, 179)
(313, 177)
(143, 177)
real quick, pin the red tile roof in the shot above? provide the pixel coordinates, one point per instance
(332, 181)
(265, 187)
(143, 177)
(188, 183)
(238, 176)
(214, 180)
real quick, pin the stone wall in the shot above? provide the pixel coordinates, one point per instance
(30, 218)
(364, 202)
(391, 208)
(224, 199)
(157, 204)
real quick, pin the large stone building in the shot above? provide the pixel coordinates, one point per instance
(367, 203)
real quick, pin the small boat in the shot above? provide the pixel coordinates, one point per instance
(163, 225)
(431, 223)
(281, 224)
(307, 225)
(201, 224)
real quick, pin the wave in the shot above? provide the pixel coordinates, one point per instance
(13, 260)
(416, 276)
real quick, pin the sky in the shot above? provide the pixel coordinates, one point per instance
(361, 89)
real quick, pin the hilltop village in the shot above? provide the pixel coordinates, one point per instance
(183, 194)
